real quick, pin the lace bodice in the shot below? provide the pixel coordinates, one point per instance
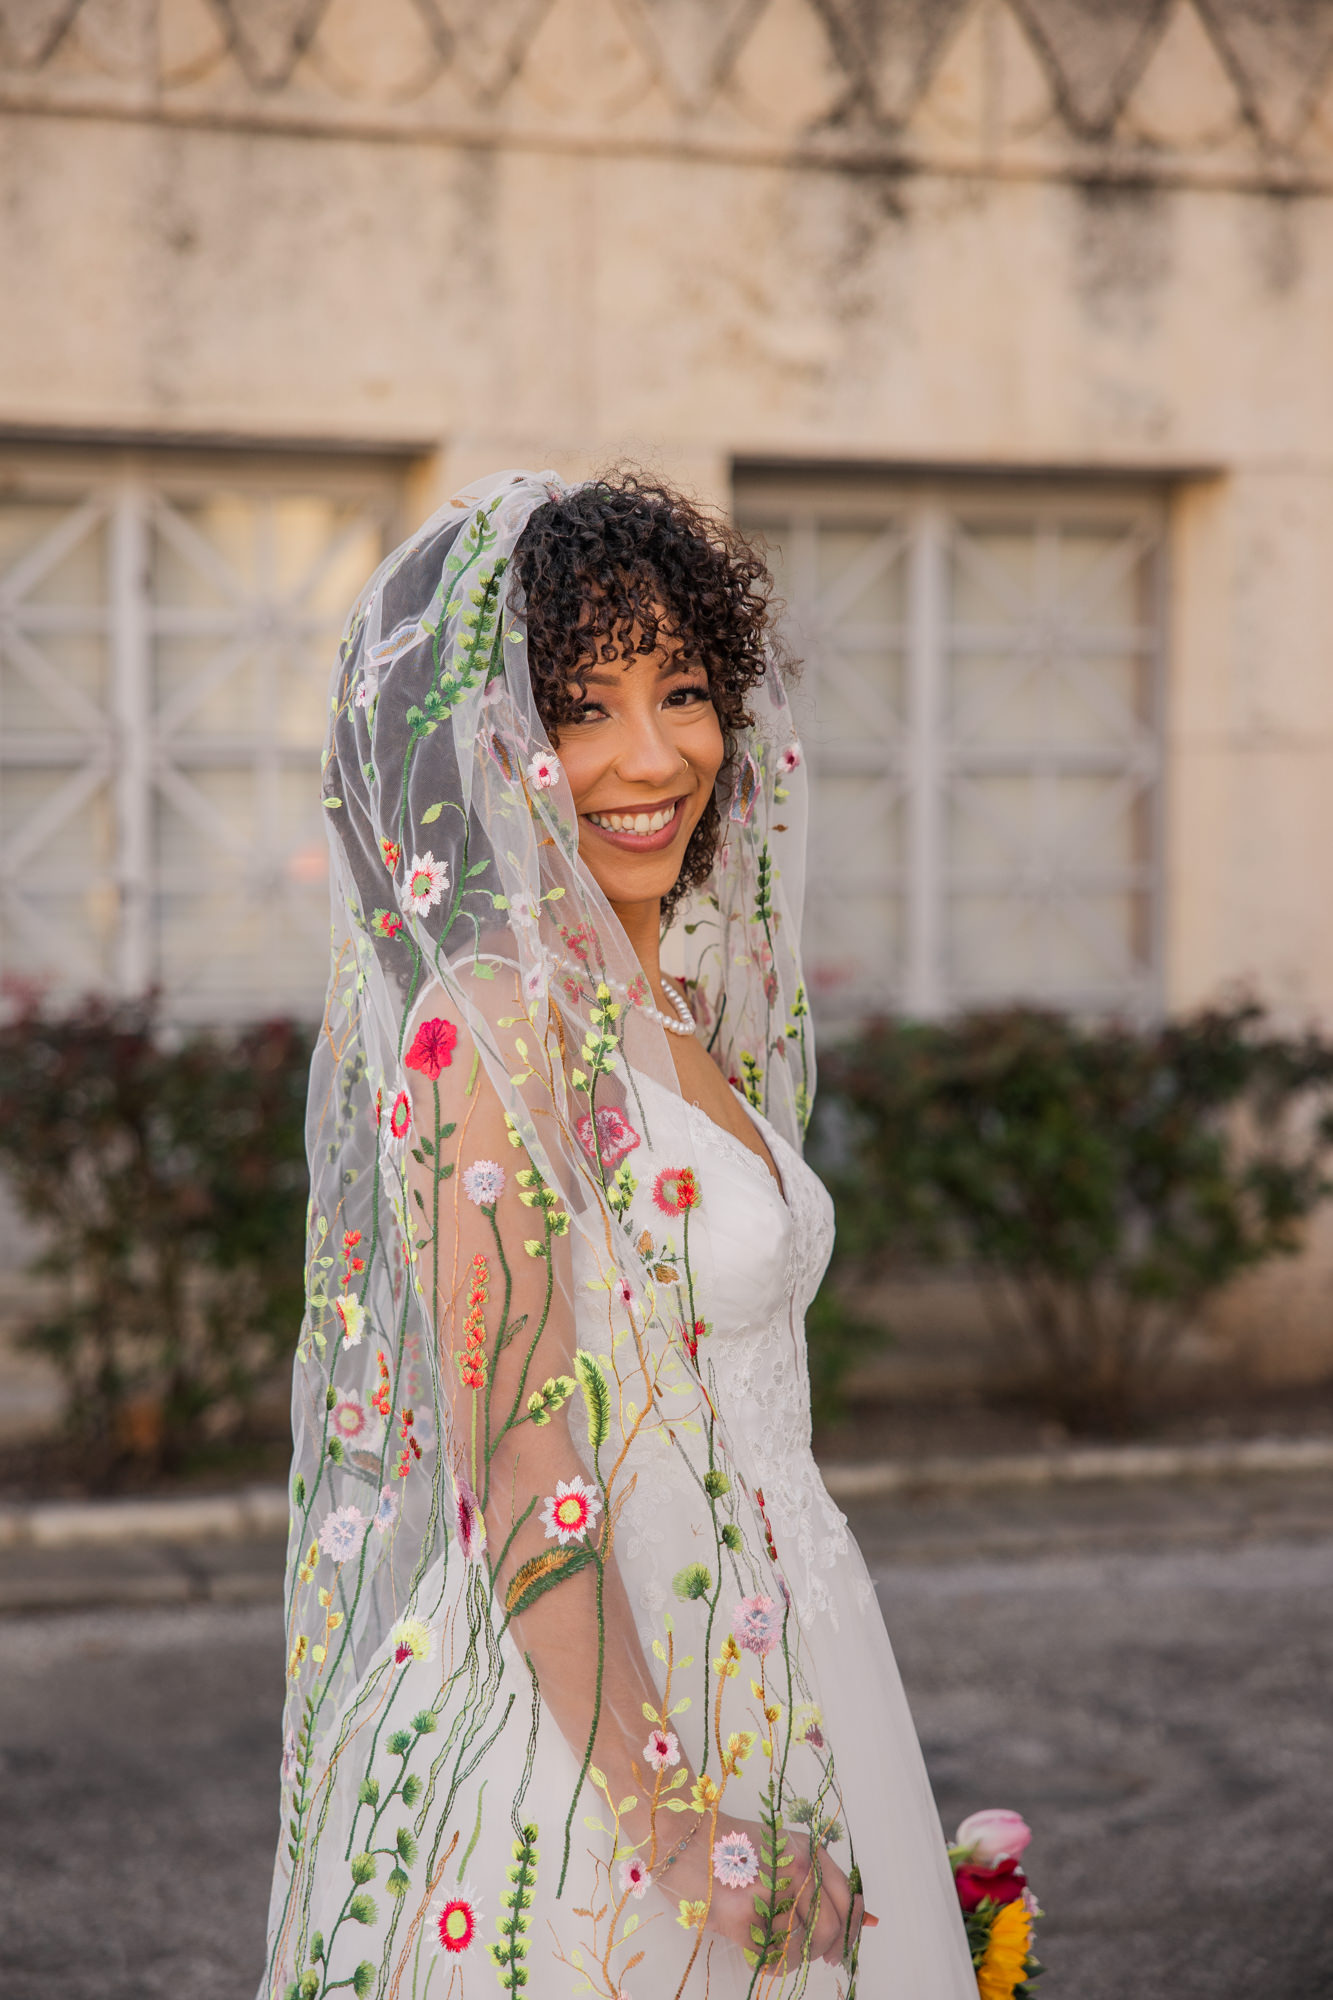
(758, 1253)
(769, 1249)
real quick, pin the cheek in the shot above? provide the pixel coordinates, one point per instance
(704, 745)
(582, 763)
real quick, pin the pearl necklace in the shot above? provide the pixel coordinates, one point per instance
(684, 1022)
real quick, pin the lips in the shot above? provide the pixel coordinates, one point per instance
(659, 824)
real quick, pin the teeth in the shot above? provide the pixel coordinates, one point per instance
(635, 822)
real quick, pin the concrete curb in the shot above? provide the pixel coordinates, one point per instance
(259, 1511)
(1081, 1465)
(255, 1511)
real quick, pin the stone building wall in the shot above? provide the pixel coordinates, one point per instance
(997, 237)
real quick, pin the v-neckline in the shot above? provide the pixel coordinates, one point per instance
(772, 1178)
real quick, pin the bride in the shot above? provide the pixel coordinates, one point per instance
(587, 1686)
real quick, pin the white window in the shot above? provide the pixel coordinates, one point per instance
(981, 704)
(168, 627)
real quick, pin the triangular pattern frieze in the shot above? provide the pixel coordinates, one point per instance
(269, 37)
(889, 50)
(488, 41)
(32, 30)
(1095, 52)
(692, 43)
(1280, 55)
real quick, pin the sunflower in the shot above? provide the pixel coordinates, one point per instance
(1003, 1967)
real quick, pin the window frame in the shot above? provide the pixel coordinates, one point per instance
(931, 509)
(122, 743)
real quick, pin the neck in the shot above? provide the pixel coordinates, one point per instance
(642, 925)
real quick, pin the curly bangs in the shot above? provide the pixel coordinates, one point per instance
(614, 568)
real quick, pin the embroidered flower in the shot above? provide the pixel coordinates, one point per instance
(484, 1182)
(392, 853)
(747, 791)
(387, 1511)
(537, 978)
(615, 1136)
(757, 1624)
(349, 1419)
(470, 1521)
(351, 1315)
(735, 1862)
(675, 1190)
(387, 924)
(433, 1048)
(789, 759)
(289, 1758)
(400, 1118)
(543, 771)
(427, 880)
(661, 1749)
(807, 1726)
(623, 1290)
(343, 1532)
(455, 1918)
(366, 691)
(411, 1640)
(571, 1510)
(634, 1878)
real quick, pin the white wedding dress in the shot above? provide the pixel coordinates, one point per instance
(758, 1264)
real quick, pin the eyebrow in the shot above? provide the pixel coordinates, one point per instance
(676, 666)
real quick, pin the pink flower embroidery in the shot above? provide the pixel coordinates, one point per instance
(615, 1135)
(735, 1862)
(757, 1624)
(543, 771)
(661, 1749)
(789, 758)
(634, 1878)
(470, 1520)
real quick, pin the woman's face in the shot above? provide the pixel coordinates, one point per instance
(642, 757)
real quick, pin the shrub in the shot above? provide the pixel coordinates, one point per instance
(166, 1178)
(1101, 1180)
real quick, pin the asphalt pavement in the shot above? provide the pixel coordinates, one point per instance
(1143, 1672)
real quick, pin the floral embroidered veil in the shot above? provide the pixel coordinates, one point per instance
(506, 1223)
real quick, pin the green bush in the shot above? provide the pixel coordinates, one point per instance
(1101, 1181)
(166, 1178)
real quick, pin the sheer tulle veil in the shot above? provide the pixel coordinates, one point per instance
(473, 957)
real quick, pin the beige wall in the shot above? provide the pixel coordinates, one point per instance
(1081, 234)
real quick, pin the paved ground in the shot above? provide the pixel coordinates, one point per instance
(1145, 1674)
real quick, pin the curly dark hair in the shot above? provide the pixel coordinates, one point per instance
(621, 564)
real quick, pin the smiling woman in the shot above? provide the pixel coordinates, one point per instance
(587, 1685)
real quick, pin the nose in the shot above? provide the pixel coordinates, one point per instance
(648, 754)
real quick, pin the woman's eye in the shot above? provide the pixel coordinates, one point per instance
(684, 696)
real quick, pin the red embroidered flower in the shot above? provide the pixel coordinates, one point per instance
(392, 853)
(457, 1923)
(387, 924)
(675, 1190)
(433, 1049)
(400, 1118)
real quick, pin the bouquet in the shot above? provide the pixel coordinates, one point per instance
(998, 1907)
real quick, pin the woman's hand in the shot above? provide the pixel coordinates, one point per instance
(826, 1916)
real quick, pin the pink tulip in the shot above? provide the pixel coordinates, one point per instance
(993, 1835)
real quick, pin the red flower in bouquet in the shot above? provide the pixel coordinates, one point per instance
(1004, 1883)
